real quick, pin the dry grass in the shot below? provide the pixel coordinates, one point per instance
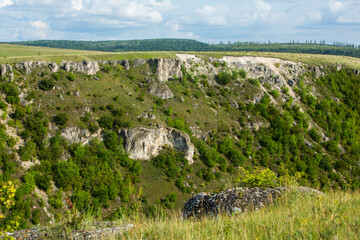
(296, 216)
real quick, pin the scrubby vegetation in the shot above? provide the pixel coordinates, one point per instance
(243, 135)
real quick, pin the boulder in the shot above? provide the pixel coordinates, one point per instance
(159, 89)
(143, 143)
(229, 201)
(88, 67)
(237, 200)
(53, 67)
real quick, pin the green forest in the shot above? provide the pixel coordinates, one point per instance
(193, 45)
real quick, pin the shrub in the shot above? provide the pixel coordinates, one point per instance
(255, 82)
(223, 78)
(47, 84)
(43, 181)
(81, 199)
(61, 119)
(106, 122)
(66, 174)
(71, 77)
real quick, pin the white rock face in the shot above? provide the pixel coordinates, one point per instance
(166, 68)
(77, 135)
(88, 67)
(143, 143)
(160, 89)
(30, 65)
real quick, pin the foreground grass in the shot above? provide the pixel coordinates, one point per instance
(296, 216)
(17, 53)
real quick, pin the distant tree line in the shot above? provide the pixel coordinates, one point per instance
(313, 47)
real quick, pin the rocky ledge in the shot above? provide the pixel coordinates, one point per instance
(143, 143)
(235, 200)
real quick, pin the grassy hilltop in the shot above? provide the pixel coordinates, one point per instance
(247, 129)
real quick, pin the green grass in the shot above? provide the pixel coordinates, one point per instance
(310, 59)
(295, 216)
(16, 53)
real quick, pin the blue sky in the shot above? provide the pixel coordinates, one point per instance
(207, 21)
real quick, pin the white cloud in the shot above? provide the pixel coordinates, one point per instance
(261, 5)
(77, 4)
(213, 15)
(4, 3)
(39, 30)
(335, 6)
(39, 25)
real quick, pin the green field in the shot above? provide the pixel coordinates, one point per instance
(16, 53)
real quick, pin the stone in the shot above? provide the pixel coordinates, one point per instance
(29, 66)
(234, 104)
(159, 89)
(143, 143)
(291, 82)
(125, 64)
(53, 67)
(87, 67)
(229, 201)
(77, 135)
(236, 200)
(166, 68)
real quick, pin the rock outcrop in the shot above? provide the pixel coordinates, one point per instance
(87, 67)
(29, 66)
(229, 201)
(5, 69)
(166, 68)
(143, 143)
(77, 135)
(236, 200)
(159, 89)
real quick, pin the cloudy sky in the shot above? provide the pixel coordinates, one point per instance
(207, 21)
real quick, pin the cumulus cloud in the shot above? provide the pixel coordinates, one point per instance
(77, 4)
(213, 15)
(335, 6)
(258, 20)
(4, 3)
(261, 5)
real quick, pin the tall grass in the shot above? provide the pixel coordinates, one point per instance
(293, 216)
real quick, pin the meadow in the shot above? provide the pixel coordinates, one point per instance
(336, 215)
(17, 53)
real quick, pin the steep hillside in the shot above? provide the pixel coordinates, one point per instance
(119, 136)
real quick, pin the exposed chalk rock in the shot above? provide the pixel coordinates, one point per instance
(88, 67)
(166, 68)
(77, 135)
(159, 89)
(143, 143)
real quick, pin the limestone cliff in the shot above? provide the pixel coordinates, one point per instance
(143, 143)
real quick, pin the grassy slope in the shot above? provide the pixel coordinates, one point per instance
(296, 216)
(15, 53)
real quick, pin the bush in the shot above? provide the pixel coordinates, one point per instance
(81, 199)
(66, 175)
(71, 77)
(106, 122)
(43, 181)
(61, 119)
(223, 78)
(47, 84)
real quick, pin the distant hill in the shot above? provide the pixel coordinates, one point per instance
(193, 45)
